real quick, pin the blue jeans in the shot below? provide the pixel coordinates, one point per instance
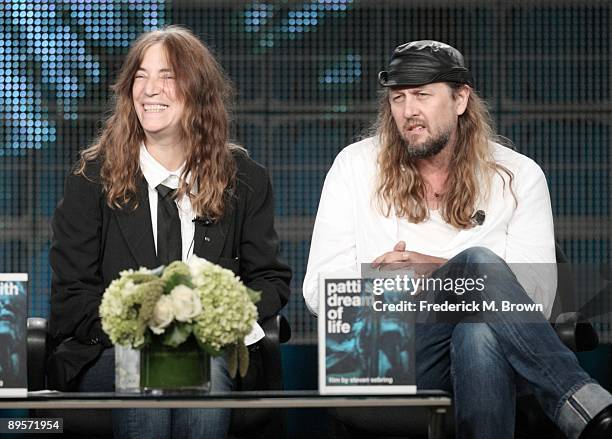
(162, 423)
(483, 357)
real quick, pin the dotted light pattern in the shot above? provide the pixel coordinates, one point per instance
(48, 61)
(346, 71)
(57, 59)
(258, 20)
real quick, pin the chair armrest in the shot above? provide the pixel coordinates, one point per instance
(284, 330)
(277, 331)
(576, 332)
(36, 351)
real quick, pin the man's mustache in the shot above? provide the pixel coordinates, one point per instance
(412, 122)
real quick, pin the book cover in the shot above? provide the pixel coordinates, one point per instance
(13, 332)
(363, 348)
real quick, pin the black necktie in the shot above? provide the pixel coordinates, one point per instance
(169, 245)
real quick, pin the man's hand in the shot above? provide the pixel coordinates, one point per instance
(399, 258)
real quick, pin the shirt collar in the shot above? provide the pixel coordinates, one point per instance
(155, 173)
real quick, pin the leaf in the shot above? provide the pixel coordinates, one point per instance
(243, 358)
(177, 273)
(231, 356)
(176, 334)
(210, 351)
(255, 296)
(175, 280)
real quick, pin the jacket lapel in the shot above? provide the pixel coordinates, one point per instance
(137, 230)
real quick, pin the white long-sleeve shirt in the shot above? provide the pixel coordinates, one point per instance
(350, 230)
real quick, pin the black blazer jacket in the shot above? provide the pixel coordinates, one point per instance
(92, 243)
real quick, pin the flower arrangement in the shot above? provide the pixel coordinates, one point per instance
(172, 303)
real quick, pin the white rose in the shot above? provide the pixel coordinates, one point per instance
(163, 314)
(197, 265)
(186, 303)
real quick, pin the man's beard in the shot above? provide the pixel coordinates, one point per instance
(429, 148)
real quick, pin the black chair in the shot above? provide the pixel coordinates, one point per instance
(574, 330)
(245, 423)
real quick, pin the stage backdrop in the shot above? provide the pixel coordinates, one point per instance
(306, 76)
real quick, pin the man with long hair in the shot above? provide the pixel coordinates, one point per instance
(160, 183)
(435, 191)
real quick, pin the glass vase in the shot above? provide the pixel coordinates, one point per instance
(164, 369)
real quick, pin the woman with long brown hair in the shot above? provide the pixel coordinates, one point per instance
(160, 183)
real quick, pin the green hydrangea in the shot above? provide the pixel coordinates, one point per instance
(228, 312)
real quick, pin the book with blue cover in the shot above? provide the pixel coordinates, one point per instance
(363, 348)
(13, 334)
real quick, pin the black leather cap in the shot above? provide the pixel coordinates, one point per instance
(423, 62)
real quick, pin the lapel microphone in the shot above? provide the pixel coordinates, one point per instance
(478, 218)
(203, 221)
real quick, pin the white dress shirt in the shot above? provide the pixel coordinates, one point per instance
(349, 229)
(155, 174)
